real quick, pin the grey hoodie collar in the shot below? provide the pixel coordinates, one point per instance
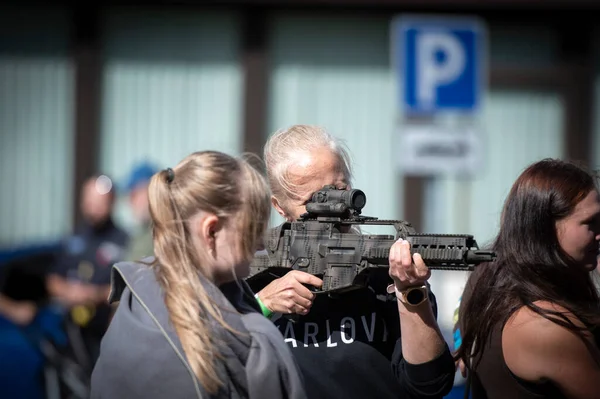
(141, 281)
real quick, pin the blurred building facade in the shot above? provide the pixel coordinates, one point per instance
(103, 88)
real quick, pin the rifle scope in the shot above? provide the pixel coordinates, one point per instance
(353, 199)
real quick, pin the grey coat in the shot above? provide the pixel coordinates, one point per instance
(141, 355)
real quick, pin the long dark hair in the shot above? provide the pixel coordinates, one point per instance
(531, 265)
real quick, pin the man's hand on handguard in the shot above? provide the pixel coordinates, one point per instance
(460, 364)
(287, 294)
(405, 269)
(422, 340)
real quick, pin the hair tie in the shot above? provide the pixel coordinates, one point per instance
(170, 175)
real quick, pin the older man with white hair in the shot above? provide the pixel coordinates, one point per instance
(364, 343)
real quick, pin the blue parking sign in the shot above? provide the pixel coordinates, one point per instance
(441, 63)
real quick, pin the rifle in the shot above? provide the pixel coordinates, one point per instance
(325, 242)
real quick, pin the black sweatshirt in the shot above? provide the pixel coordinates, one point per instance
(349, 347)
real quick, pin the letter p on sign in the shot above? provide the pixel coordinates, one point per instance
(441, 63)
(432, 72)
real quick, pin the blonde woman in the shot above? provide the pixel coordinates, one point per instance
(368, 343)
(181, 329)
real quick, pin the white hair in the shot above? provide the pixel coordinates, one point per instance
(285, 147)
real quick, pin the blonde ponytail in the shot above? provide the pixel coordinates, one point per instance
(205, 181)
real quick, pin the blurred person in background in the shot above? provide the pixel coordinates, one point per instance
(365, 343)
(186, 326)
(26, 324)
(528, 322)
(23, 273)
(19, 312)
(140, 244)
(80, 279)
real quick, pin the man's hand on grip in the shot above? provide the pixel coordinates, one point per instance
(287, 294)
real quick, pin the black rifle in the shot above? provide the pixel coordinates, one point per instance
(326, 243)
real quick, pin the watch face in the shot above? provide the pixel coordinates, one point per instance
(415, 297)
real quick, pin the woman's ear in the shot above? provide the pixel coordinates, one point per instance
(209, 226)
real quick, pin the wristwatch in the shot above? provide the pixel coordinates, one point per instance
(412, 296)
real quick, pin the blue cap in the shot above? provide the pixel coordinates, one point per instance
(141, 173)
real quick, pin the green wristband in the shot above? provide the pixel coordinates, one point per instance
(265, 310)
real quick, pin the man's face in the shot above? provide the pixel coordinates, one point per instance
(313, 171)
(96, 201)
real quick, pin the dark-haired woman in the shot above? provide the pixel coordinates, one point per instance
(528, 320)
